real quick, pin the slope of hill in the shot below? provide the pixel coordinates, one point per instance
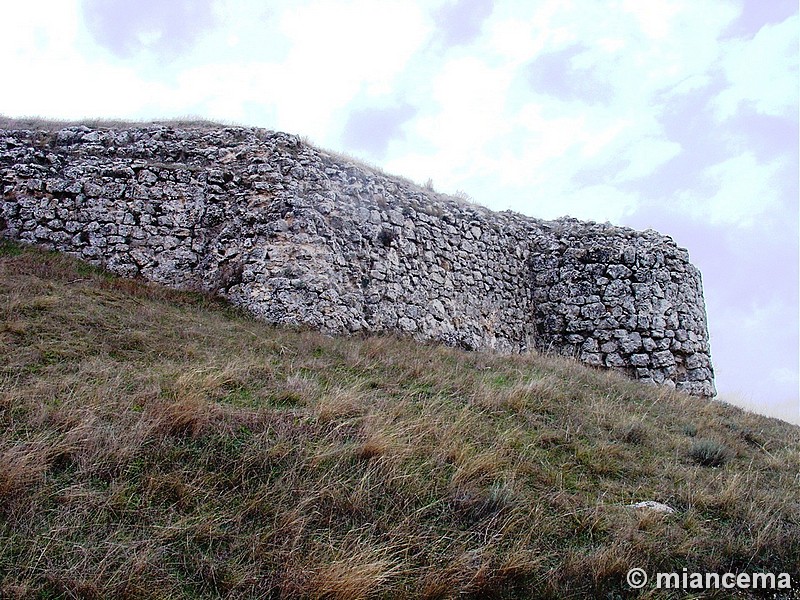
(161, 444)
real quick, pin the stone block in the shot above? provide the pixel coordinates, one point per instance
(663, 358)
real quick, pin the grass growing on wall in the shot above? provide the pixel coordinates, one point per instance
(161, 444)
(191, 122)
(52, 125)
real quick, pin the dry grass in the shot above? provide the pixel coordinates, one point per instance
(161, 444)
(42, 124)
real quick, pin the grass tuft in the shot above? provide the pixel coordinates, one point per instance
(709, 453)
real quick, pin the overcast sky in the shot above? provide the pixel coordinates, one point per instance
(680, 115)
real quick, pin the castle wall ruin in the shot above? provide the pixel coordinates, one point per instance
(297, 235)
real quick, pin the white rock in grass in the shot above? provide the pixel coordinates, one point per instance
(653, 505)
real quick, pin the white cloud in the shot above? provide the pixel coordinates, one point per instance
(339, 50)
(463, 118)
(42, 53)
(470, 97)
(516, 32)
(763, 72)
(654, 16)
(30, 28)
(744, 339)
(599, 136)
(601, 202)
(735, 192)
(513, 39)
(655, 44)
(483, 117)
(542, 140)
(645, 156)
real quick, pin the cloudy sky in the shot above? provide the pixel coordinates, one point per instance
(680, 115)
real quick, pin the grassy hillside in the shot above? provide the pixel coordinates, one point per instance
(158, 444)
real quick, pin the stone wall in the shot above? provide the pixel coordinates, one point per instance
(300, 236)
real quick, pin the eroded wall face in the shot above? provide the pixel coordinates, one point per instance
(624, 300)
(298, 236)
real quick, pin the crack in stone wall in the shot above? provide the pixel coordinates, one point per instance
(297, 235)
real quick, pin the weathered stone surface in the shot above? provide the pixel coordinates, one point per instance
(654, 506)
(297, 235)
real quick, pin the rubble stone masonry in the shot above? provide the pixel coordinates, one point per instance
(297, 235)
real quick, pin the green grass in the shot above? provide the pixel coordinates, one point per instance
(162, 444)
